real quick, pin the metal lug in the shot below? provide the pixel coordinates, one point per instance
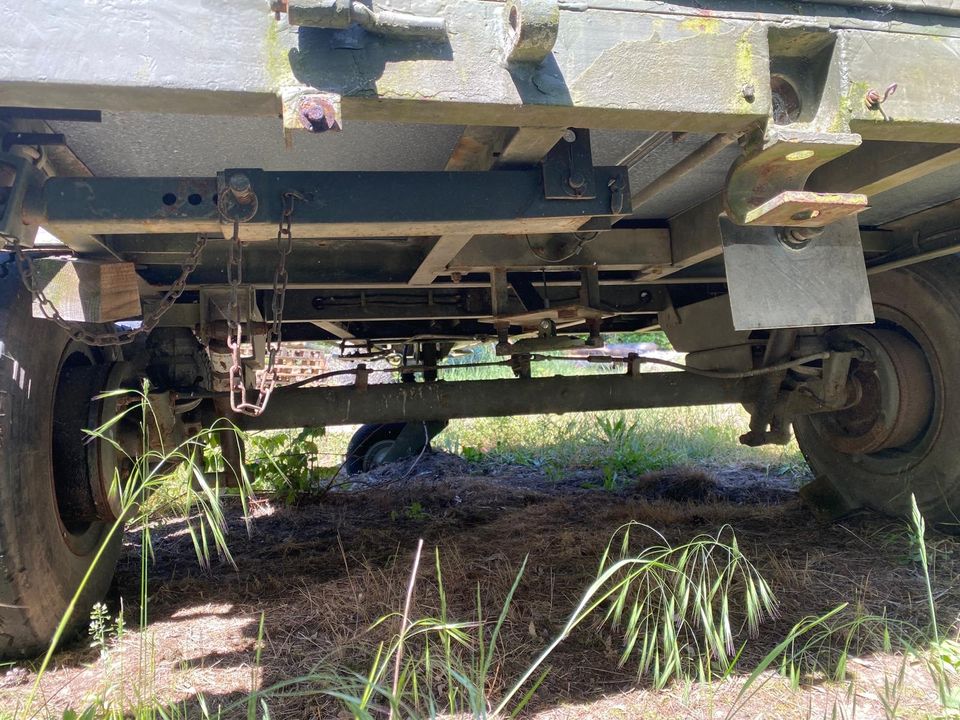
(568, 168)
(531, 28)
(765, 187)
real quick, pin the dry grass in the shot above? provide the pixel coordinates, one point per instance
(323, 573)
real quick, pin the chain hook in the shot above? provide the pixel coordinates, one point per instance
(268, 378)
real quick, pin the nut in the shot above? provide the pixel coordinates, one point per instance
(319, 114)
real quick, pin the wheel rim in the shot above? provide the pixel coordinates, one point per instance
(376, 454)
(897, 414)
(84, 490)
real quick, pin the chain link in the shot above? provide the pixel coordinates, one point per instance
(268, 378)
(80, 331)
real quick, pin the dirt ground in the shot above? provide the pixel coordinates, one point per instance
(323, 571)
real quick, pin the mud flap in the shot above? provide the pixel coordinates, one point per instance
(778, 280)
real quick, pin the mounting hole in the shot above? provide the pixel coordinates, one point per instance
(214, 198)
(805, 215)
(799, 155)
(169, 199)
(194, 199)
(786, 100)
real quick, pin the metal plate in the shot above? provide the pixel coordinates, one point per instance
(798, 208)
(773, 285)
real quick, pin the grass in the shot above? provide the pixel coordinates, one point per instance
(622, 443)
(682, 613)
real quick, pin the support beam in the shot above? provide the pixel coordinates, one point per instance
(423, 402)
(482, 148)
(877, 166)
(444, 250)
(714, 146)
(334, 204)
(627, 249)
(334, 328)
(611, 67)
(694, 237)
(608, 69)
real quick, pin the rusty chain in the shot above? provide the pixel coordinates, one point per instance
(268, 378)
(80, 332)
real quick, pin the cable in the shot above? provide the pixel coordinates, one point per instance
(576, 251)
(598, 359)
(404, 369)
(720, 374)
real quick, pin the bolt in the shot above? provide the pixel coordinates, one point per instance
(749, 93)
(318, 114)
(456, 277)
(645, 297)
(576, 182)
(874, 100)
(239, 186)
(569, 135)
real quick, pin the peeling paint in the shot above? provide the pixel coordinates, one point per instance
(701, 25)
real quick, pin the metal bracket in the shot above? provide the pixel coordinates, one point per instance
(341, 14)
(12, 139)
(765, 186)
(236, 199)
(18, 177)
(568, 168)
(781, 278)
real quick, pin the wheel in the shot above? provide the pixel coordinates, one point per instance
(49, 510)
(901, 437)
(369, 445)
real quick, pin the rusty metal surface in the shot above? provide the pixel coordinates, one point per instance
(490, 398)
(896, 395)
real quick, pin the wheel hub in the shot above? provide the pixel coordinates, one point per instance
(377, 454)
(896, 394)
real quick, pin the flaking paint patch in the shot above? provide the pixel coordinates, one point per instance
(701, 25)
(659, 84)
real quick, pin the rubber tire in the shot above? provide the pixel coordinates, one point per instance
(41, 564)
(363, 439)
(927, 298)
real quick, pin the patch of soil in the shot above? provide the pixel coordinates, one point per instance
(322, 573)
